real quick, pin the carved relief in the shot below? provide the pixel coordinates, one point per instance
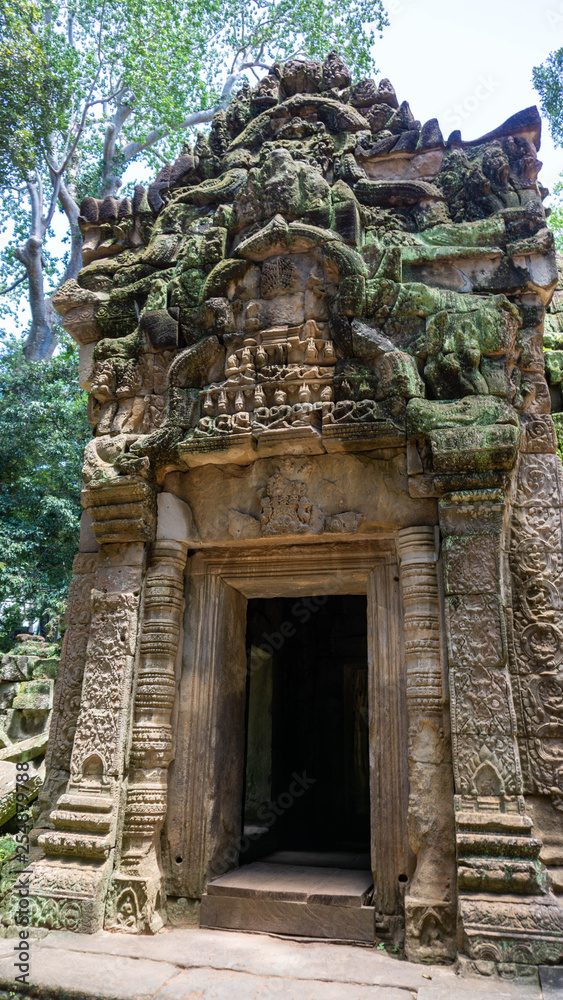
(99, 729)
(286, 508)
(536, 562)
(63, 899)
(520, 933)
(282, 291)
(86, 814)
(490, 809)
(477, 635)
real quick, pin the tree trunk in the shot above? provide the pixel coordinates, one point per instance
(68, 203)
(40, 341)
(42, 337)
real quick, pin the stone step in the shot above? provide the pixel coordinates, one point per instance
(68, 819)
(297, 900)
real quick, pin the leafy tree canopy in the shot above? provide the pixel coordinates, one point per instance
(43, 432)
(548, 81)
(32, 98)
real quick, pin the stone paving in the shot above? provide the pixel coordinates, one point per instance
(193, 964)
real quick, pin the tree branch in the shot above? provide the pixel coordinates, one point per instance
(70, 208)
(114, 128)
(100, 32)
(46, 222)
(4, 291)
(197, 118)
(253, 65)
(35, 192)
(80, 127)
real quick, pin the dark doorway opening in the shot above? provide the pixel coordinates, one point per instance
(307, 757)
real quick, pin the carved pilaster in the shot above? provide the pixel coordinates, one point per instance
(136, 891)
(496, 853)
(430, 900)
(68, 886)
(69, 684)
(536, 646)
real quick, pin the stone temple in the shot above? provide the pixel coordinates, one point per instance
(312, 681)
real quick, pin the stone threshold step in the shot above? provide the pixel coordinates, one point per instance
(355, 924)
(296, 882)
(296, 900)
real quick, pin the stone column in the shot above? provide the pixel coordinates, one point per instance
(67, 887)
(430, 900)
(496, 854)
(136, 892)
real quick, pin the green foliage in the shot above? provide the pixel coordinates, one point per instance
(43, 432)
(555, 221)
(8, 847)
(33, 97)
(548, 81)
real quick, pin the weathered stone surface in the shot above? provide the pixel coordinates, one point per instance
(174, 519)
(104, 978)
(551, 980)
(27, 677)
(266, 960)
(226, 985)
(313, 340)
(431, 896)
(372, 486)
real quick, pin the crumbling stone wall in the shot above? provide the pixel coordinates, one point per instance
(27, 678)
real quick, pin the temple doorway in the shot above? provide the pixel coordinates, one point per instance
(276, 717)
(304, 864)
(307, 747)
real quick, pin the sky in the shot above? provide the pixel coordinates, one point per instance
(468, 64)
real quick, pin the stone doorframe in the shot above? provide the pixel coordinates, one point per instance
(205, 780)
(184, 703)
